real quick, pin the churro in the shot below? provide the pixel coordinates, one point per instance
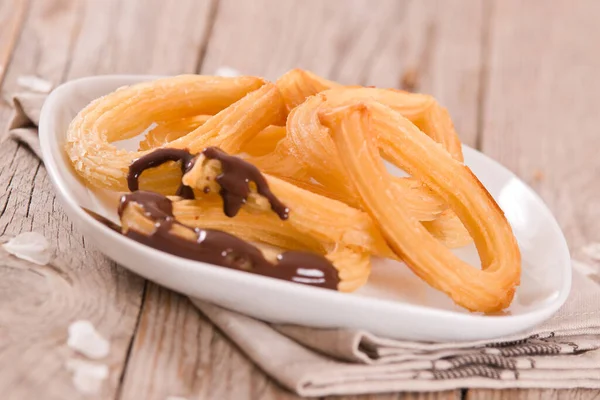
(147, 217)
(299, 165)
(489, 289)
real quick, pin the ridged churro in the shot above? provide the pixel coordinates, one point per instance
(298, 164)
(489, 289)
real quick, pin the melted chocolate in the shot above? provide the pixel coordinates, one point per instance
(156, 158)
(156, 206)
(221, 248)
(234, 181)
(103, 220)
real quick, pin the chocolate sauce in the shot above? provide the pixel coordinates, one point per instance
(156, 158)
(221, 248)
(103, 220)
(234, 181)
(156, 206)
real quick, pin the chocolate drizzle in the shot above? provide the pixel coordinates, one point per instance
(221, 248)
(156, 158)
(217, 247)
(234, 182)
(156, 206)
(103, 220)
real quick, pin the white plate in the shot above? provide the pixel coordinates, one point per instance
(394, 303)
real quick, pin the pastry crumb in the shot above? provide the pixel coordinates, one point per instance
(30, 246)
(88, 376)
(84, 338)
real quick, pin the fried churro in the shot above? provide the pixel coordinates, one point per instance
(249, 166)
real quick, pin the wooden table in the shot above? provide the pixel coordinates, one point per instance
(519, 77)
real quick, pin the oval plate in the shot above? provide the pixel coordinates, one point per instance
(394, 303)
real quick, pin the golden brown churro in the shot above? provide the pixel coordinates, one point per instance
(147, 217)
(298, 164)
(487, 290)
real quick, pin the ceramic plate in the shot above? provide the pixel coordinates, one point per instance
(394, 303)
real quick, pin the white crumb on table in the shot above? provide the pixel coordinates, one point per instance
(84, 338)
(34, 83)
(30, 246)
(227, 72)
(88, 376)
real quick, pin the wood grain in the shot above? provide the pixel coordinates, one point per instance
(12, 15)
(178, 352)
(160, 37)
(38, 303)
(449, 395)
(354, 42)
(533, 394)
(538, 120)
(44, 45)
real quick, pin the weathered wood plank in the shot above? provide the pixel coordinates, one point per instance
(38, 303)
(82, 283)
(178, 352)
(139, 37)
(44, 45)
(437, 43)
(267, 38)
(539, 120)
(12, 15)
(533, 394)
(449, 395)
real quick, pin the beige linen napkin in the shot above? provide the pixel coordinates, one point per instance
(564, 352)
